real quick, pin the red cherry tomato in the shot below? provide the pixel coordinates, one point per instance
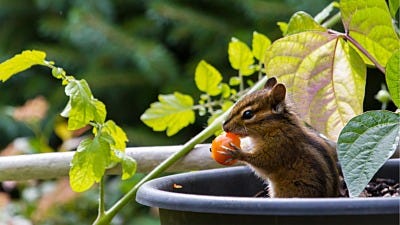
(219, 147)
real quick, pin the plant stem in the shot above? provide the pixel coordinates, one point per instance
(332, 21)
(384, 105)
(260, 66)
(186, 148)
(325, 12)
(241, 87)
(359, 47)
(365, 52)
(101, 211)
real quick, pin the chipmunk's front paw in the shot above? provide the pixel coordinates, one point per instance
(233, 151)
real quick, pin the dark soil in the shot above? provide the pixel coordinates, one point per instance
(382, 188)
(378, 187)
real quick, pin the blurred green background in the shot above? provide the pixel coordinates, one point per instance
(129, 52)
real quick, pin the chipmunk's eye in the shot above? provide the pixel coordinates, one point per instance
(248, 114)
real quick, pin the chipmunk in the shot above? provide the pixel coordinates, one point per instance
(294, 160)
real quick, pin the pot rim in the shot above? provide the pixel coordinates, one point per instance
(151, 195)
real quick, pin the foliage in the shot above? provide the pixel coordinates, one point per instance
(175, 111)
(108, 145)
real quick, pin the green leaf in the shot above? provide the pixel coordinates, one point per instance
(89, 163)
(324, 76)
(58, 72)
(260, 45)
(129, 166)
(226, 105)
(172, 113)
(240, 57)
(207, 78)
(234, 81)
(225, 90)
(393, 77)
(21, 62)
(283, 27)
(393, 7)
(117, 133)
(365, 144)
(301, 22)
(370, 24)
(82, 106)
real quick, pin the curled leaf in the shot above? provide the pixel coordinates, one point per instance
(129, 166)
(116, 133)
(82, 106)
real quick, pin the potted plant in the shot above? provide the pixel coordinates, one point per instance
(227, 196)
(305, 60)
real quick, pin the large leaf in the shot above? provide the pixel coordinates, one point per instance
(324, 76)
(365, 144)
(240, 57)
(21, 62)
(369, 23)
(393, 77)
(89, 163)
(82, 106)
(172, 113)
(207, 78)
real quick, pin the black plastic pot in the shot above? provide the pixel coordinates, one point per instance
(224, 196)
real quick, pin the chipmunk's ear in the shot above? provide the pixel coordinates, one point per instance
(277, 96)
(270, 83)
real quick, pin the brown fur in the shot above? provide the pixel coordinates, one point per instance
(295, 161)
